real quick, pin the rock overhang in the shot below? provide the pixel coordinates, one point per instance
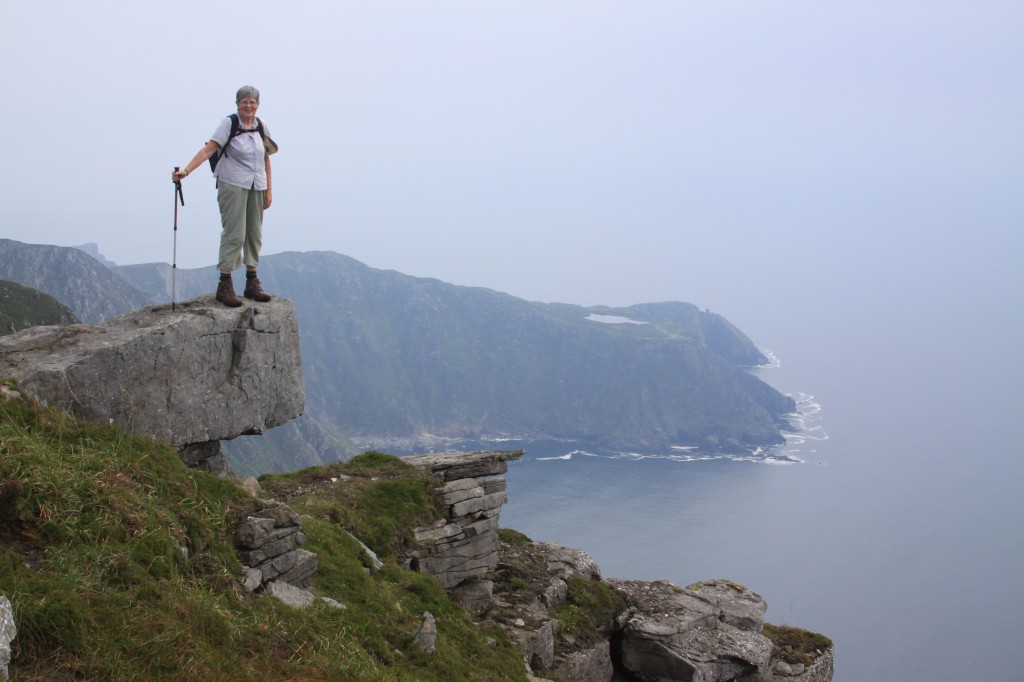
(191, 373)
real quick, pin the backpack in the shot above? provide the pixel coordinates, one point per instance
(270, 145)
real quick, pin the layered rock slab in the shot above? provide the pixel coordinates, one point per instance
(268, 542)
(196, 373)
(707, 632)
(462, 548)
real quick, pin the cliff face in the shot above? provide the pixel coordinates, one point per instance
(22, 307)
(71, 276)
(399, 362)
(190, 376)
(202, 372)
(713, 630)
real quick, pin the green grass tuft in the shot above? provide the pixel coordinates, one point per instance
(794, 645)
(513, 537)
(590, 609)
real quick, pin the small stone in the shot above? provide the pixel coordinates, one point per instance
(252, 578)
(426, 635)
(789, 669)
(474, 595)
(250, 485)
(290, 595)
(333, 603)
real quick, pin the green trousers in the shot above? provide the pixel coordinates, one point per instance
(241, 217)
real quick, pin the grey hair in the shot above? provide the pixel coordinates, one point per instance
(247, 91)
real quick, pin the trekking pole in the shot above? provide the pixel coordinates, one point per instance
(178, 196)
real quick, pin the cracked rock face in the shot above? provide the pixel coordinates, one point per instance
(199, 373)
(707, 632)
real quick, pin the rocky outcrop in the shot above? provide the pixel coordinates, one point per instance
(460, 549)
(820, 670)
(531, 584)
(712, 631)
(268, 544)
(395, 359)
(708, 632)
(189, 376)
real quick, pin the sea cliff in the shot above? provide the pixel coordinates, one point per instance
(396, 569)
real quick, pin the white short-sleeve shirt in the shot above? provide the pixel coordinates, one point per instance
(243, 165)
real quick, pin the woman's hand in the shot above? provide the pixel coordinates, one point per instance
(202, 155)
(267, 199)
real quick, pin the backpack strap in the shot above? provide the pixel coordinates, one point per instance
(232, 135)
(235, 130)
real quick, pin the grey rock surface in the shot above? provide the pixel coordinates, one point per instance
(569, 562)
(199, 373)
(426, 634)
(536, 639)
(251, 578)
(708, 632)
(371, 556)
(821, 670)
(268, 542)
(8, 631)
(333, 603)
(590, 665)
(289, 594)
(453, 466)
(475, 595)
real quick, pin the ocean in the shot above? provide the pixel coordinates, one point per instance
(892, 521)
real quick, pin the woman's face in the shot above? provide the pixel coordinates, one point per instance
(247, 107)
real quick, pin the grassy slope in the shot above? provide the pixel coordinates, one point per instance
(118, 561)
(22, 307)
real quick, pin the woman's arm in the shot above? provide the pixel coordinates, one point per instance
(202, 155)
(268, 195)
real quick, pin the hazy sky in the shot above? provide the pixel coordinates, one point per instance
(730, 154)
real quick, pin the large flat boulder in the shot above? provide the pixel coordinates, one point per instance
(197, 373)
(707, 632)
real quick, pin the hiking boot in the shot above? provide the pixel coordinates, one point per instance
(254, 291)
(226, 294)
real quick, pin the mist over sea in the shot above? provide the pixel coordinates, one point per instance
(893, 522)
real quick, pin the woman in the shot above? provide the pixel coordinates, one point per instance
(243, 193)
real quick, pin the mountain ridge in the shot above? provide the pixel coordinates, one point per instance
(392, 360)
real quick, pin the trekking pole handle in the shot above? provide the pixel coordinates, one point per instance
(177, 188)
